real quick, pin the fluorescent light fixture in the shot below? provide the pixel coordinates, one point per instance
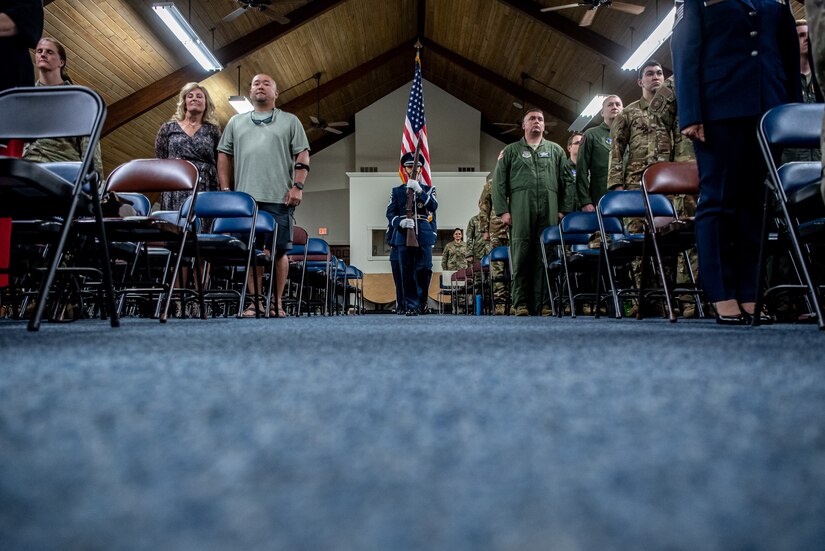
(593, 108)
(184, 32)
(241, 104)
(649, 46)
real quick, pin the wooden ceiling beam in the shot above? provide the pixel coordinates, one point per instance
(339, 82)
(141, 101)
(537, 100)
(582, 36)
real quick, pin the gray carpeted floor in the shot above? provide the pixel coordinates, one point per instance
(390, 433)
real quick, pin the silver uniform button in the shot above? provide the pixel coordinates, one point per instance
(754, 33)
(754, 53)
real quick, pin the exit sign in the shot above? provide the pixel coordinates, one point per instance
(322, 231)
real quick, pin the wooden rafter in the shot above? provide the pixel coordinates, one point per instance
(141, 101)
(583, 36)
(339, 82)
(549, 106)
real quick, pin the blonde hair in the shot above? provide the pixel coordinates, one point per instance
(209, 115)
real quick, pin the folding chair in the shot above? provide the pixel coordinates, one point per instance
(577, 259)
(231, 243)
(29, 191)
(792, 194)
(150, 176)
(622, 248)
(501, 254)
(297, 261)
(551, 239)
(670, 235)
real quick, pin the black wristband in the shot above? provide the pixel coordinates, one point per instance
(299, 185)
(300, 166)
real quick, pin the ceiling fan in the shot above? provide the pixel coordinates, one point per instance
(260, 6)
(593, 5)
(519, 104)
(317, 121)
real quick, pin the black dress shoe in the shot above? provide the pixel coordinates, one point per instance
(764, 318)
(411, 313)
(738, 319)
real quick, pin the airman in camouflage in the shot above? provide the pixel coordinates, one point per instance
(477, 247)
(454, 256)
(647, 131)
(663, 107)
(53, 150)
(496, 234)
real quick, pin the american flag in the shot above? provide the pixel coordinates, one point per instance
(415, 127)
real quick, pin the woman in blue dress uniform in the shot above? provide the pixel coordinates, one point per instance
(733, 61)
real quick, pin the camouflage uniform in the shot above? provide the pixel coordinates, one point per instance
(663, 106)
(649, 133)
(53, 150)
(498, 236)
(477, 247)
(454, 256)
(815, 11)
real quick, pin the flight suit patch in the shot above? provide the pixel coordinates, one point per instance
(544, 154)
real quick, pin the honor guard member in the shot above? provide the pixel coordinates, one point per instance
(529, 189)
(416, 262)
(395, 266)
(594, 157)
(734, 60)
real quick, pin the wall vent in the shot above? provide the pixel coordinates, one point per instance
(369, 169)
(466, 169)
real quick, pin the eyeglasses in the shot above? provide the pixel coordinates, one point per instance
(262, 121)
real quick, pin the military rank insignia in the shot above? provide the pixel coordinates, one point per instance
(680, 12)
(608, 140)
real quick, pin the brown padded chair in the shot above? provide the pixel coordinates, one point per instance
(672, 236)
(151, 176)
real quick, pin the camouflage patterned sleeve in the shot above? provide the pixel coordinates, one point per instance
(620, 133)
(98, 158)
(485, 206)
(470, 236)
(501, 184)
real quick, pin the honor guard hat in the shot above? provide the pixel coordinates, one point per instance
(407, 160)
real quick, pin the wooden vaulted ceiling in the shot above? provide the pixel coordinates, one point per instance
(476, 50)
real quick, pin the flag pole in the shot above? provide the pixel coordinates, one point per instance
(412, 238)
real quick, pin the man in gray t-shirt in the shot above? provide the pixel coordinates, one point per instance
(267, 152)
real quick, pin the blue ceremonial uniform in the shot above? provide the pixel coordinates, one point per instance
(395, 265)
(733, 60)
(416, 262)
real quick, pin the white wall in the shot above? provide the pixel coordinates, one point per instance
(329, 167)
(368, 196)
(325, 209)
(490, 148)
(453, 128)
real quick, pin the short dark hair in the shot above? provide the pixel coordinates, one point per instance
(531, 110)
(459, 229)
(573, 135)
(648, 63)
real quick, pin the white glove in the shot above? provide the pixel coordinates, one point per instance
(406, 223)
(412, 184)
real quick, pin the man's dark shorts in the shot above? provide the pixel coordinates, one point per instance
(283, 215)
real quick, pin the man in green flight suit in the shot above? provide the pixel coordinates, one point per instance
(594, 156)
(531, 188)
